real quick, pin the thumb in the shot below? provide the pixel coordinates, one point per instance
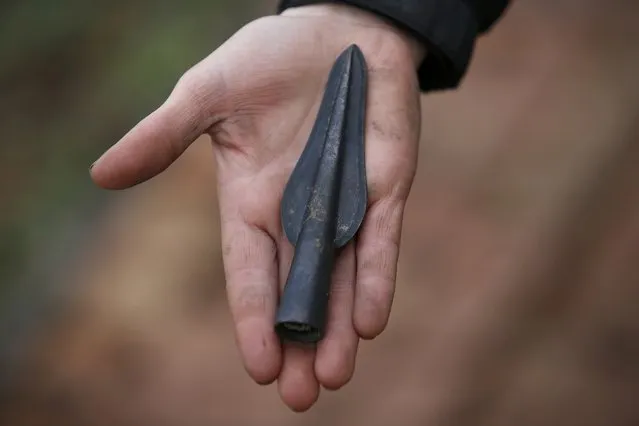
(194, 105)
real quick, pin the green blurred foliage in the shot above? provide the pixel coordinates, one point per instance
(74, 76)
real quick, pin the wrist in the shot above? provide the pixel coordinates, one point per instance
(357, 17)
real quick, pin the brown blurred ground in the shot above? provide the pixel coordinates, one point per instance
(518, 281)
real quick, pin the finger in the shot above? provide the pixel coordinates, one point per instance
(335, 360)
(250, 263)
(159, 139)
(393, 126)
(297, 384)
(377, 255)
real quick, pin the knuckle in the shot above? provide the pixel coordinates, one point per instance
(391, 176)
(244, 249)
(189, 85)
(341, 286)
(385, 222)
(343, 278)
(199, 90)
(381, 265)
(382, 231)
(250, 300)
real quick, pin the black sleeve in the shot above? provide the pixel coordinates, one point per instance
(448, 28)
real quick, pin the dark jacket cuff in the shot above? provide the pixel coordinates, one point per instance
(448, 28)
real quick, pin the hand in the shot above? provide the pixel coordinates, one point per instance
(257, 97)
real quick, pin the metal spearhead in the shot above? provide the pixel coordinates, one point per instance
(325, 199)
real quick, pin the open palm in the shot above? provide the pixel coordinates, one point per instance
(257, 96)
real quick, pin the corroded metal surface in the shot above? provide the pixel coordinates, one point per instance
(325, 199)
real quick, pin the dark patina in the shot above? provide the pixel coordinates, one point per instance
(325, 199)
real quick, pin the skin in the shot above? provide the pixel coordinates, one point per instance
(257, 96)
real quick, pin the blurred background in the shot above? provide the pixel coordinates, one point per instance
(518, 284)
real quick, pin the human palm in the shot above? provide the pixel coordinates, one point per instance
(257, 96)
